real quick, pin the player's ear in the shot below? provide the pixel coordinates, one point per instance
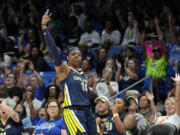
(67, 57)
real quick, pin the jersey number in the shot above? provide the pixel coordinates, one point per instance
(84, 86)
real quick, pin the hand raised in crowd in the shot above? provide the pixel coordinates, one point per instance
(21, 66)
(29, 95)
(96, 78)
(135, 24)
(7, 70)
(172, 93)
(118, 13)
(160, 37)
(176, 79)
(156, 21)
(21, 34)
(30, 65)
(118, 64)
(170, 18)
(149, 96)
(125, 62)
(24, 96)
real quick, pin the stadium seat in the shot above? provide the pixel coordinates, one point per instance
(116, 50)
(162, 129)
(47, 77)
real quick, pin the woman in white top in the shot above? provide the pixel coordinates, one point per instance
(172, 106)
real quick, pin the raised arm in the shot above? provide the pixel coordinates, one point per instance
(61, 68)
(166, 54)
(130, 73)
(142, 42)
(171, 29)
(39, 79)
(9, 111)
(158, 30)
(151, 100)
(177, 93)
(128, 123)
(118, 76)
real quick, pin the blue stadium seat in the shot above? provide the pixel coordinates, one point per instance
(138, 49)
(116, 50)
(47, 77)
(93, 53)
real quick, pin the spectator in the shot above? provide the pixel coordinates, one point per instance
(26, 121)
(119, 122)
(52, 123)
(10, 87)
(86, 67)
(87, 54)
(15, 93)
(131, 33)
(9, 118)
(132, 105)
(5, 60)
(19, 72)
(40, 114)
(36, 82)
(30, 102)
(103, 111)
(156, 68)
(74, 37)
(130, 75)
(51, 92)
(109, 33)
(78, 12)
(39, 63)
(9, 82)
(102, 61)
(33, 37)
(105, 87)
(24, 52)
(128, 52)
(111, 64)
(91, 37)
(172, 106)
(175, 39)
(146, 105)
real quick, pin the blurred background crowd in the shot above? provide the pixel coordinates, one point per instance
(121, 42)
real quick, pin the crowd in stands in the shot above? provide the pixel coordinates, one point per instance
(121, 43)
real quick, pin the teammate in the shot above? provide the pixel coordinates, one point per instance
(78, 115)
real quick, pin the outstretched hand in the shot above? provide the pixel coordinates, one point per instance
(176, 78)
(46, 18)
(149, 96)
(118, 64)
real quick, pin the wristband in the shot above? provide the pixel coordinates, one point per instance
(115, 115)
(44, 24)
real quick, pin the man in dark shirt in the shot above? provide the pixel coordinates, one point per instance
(103, 111)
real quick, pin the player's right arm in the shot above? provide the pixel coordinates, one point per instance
(61, 68)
